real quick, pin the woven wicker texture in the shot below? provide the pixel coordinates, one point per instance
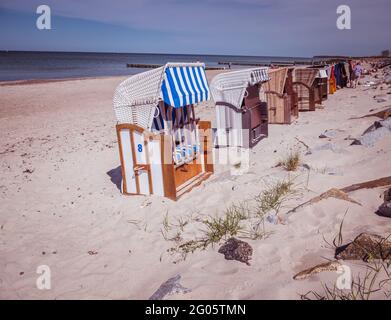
(275, 102)
(276, 81)
(230, 87)
(307, 76)
(136, 99)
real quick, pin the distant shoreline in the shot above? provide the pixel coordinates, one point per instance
(4, 83)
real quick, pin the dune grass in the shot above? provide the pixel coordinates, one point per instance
(290, 161)
(272, 198)
(243, 220)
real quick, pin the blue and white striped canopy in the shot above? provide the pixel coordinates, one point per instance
(184, 85)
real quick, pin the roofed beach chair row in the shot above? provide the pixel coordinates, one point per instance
(166, 150)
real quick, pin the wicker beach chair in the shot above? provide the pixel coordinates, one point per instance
(241, 117)
(281, 99)
(321, 84)
(164, 148)
(305, 87)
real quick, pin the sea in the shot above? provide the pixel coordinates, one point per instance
(29, 65)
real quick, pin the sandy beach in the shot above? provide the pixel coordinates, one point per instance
(61, 204)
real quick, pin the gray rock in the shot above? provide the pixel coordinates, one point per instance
(371, 138)
(328, 134)
(234, 249)
(170, 287)
(385, 208)
(364, 247)
(334, 172)
(326, 146)
(272, 219)
(376, 125)
(375, 132)
(306, 166)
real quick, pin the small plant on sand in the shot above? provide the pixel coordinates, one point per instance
(273, 197)
(237, 220)
(228, 225)
(338, 239)
(291, 161)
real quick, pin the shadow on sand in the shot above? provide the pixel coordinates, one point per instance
(115, 176)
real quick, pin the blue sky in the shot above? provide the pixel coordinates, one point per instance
(245, 27)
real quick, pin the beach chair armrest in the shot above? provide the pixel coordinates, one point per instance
(301, 83)
(280, 95)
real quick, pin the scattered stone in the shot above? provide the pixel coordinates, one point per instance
(385, 208)
(376, 125)
(328, 266)
(381, 100)
(333, 172)
(328, 134)
(273, 219)
(327, 146)
(92, 253)
(365, 247)
(234, 249)
(170, 287)
(375, 132)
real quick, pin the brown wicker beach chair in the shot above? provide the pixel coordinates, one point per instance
(320, 84)
(306, 88)
(281, 99)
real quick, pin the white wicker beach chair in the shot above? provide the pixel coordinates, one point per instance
(231, 91)
(163, 147)
(230, 87)
(136, 99)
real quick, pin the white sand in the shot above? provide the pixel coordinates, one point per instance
(64, 133)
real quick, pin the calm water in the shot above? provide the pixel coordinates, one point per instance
(54, 65)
